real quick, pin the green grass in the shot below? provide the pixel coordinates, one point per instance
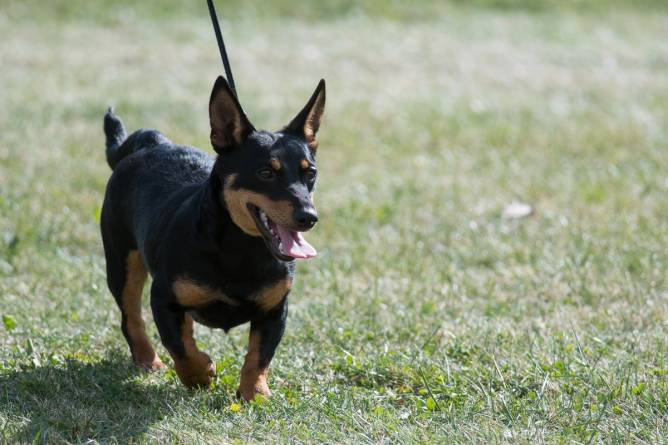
(428, 316)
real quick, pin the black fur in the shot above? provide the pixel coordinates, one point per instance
(166, 201)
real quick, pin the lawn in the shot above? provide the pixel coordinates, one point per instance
(429, 316)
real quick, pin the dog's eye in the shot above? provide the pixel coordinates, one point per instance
(310, 175)
(266, 173)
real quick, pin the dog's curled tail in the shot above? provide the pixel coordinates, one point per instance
(120, 145)
(116, 135)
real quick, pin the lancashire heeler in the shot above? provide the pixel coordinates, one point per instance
(219, 237)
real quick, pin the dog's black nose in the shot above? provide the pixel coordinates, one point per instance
(306, 218)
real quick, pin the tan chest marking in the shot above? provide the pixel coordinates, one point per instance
(268, 297)
(192, 294)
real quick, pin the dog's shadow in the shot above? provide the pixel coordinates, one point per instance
(75, 401)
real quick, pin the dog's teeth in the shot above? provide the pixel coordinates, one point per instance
(264, 219)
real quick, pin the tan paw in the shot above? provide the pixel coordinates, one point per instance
(151, 364)
(196, 372)
(248, 391)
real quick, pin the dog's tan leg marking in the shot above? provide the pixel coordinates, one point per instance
(253, 377)
(268, 297)
(135, 277)
(192, 294)
(195, 369)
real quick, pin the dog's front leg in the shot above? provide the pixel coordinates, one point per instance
(266, 332)
(194, 368)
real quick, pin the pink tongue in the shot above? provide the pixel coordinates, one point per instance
(294, 245)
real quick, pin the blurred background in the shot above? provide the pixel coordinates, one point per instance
(492, 193)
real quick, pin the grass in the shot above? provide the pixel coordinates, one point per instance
(428, 316)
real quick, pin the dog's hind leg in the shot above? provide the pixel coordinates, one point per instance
(126, 275)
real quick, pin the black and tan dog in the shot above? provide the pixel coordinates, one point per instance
(219, 237)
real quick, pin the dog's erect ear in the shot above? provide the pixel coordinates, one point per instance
(307, 122)
(229, 124)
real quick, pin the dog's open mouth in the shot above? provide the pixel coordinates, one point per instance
(283, 243)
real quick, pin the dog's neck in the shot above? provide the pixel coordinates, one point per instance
(215, 222)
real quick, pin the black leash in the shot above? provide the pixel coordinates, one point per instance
(221, 47)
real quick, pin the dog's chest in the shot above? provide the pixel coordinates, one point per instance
(271, 295)
(191, 293)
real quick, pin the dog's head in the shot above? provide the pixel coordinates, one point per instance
(267, 179)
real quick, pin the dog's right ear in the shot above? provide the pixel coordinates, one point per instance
(229, 124)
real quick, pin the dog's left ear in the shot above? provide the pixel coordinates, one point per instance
(307, 122)
(229, 124)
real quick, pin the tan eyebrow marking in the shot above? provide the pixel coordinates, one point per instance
(304, 164)
(275, 164)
